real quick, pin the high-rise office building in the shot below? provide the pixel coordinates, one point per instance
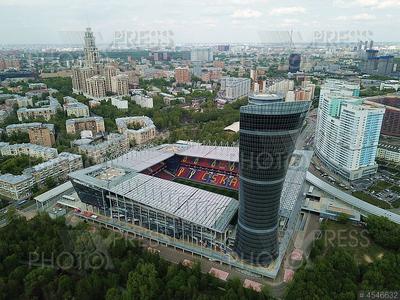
(294, 62)
(347, 131)
(90, 50)
(268, 133)
(374, 64)
(201, 54)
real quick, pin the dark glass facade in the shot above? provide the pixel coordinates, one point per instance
(268, 135)
(294, 62)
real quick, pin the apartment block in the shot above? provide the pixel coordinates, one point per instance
(94, 124)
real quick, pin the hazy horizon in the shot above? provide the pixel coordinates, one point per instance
(209, 21)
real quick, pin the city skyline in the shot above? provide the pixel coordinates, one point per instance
(189, 21)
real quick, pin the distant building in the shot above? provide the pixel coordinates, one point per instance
(182, 75)
(234, 88)
(119, 103)
(281, 87)
(201, 54)
(374, 64)
(74, 108)
(45, 111)
(80, 77)
(391, 120)
(294, 62)
(37, 86)
(90, 50)
(96, 87)
(139, 129)
(109, 72)
(390, 84)
(94, 124)
(143, 101)
(120, 84)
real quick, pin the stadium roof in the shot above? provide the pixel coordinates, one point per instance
(212, 152)
(141, 160)
(192, 204)
(353, 201)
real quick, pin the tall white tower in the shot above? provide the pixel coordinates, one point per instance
(90, 50)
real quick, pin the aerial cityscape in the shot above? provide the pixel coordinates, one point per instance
(217, 150)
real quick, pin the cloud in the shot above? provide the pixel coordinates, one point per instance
(359, 17)
(246, 14)
(292, 10)
(373, 4)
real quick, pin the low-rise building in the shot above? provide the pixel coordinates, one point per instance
(143, 101)
(390, 84)
(75, 108)
(19, 187)
(47, 110)
(388, 152)
(119, 103)
(139, 129)
(42, 135)
(94, 124)
(112, 146)
(57, 168)
(16, 187)
(28, 149)
(37, 86)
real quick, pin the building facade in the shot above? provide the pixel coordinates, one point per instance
(347, 132)
(234, 88)
(94, 124)
(139, 130)
(268, 133)
(182, 75)
(113, 146)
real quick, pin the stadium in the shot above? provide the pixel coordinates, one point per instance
(164, 191)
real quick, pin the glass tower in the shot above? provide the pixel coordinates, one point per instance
(268, 134)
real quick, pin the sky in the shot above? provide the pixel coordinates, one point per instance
(199, 21)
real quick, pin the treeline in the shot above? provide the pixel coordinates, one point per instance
(46, 259)
(334, 272)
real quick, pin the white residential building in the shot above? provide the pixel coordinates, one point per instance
(347, 132)
(143, 101)
(234, 88)
(119, 103)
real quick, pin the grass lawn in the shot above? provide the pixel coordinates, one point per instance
(372, 200)
(354, 239)
(210, 188)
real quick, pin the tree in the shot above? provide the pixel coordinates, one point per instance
(142, 283)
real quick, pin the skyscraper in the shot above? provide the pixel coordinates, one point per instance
(347, 131)
(294, 62)
(268, 133)
(90, 50)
